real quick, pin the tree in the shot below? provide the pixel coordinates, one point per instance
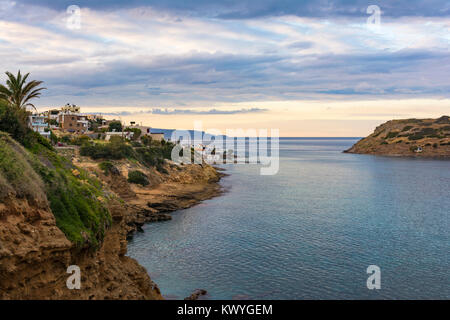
(146, 140)
(13, 121)
(136, 132)
(115, 126)
(18, 93)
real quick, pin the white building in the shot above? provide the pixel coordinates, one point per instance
(37, 123)
(145, 130)
(126, 134)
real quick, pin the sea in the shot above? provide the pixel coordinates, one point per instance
(314, 230)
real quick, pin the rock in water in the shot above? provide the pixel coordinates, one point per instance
(196, 294)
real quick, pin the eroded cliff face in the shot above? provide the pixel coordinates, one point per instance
(35, 254)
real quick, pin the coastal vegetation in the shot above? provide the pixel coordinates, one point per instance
(40, 175)
(116, 149)
(418, 137)
(31, 169)
(152, 155)
(115, 126)
(108, 168)
(138, 177)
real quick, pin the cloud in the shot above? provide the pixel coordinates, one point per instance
(151, 57)
(205, 112)
(301, 45)
(167, 111)
(244, 9)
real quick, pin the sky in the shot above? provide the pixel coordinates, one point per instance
(307, 68)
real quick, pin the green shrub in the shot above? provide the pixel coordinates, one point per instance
(138, 177)
(33, 141)
(74, 201)
(66, 139)
(107, 168)
(136, 132)
(146, 140)
(13, 122)
(136, 144)
(416, 136)
(53, 138)
(115, 126)
(406, 128)
(116, 149)
(392, 134)
(80, 140)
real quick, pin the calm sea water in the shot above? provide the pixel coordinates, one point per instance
(311, 231)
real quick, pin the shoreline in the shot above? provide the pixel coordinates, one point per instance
(35, 253)
(165, 199)
(170, 197)
(399, 155)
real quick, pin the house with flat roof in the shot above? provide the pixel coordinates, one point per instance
(73, 123)
(126, 134)
(38, 123)
(157, 136)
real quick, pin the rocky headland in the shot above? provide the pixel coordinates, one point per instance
(428, 138)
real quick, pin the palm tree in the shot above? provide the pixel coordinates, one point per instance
(18, 93)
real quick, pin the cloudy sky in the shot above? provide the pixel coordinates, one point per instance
(308, 68)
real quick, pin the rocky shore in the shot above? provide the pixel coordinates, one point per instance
(35, 254)
(424, 138)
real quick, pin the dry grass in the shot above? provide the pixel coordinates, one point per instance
(17, 177)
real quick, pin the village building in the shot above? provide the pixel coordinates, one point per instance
(73, 123)
(157, 136)
(126, 135)
(38, 123)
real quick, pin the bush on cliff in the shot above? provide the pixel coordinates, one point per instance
(116, 149)
(138, 177)
(107, 167)
(74, 199)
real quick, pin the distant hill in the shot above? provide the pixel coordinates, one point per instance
(409, 137)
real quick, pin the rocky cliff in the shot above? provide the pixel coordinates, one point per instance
(409, 137)
(35, 253)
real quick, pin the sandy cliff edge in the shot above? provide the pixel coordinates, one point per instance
(35, 254)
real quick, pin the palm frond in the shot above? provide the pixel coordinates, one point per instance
(18, 92)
